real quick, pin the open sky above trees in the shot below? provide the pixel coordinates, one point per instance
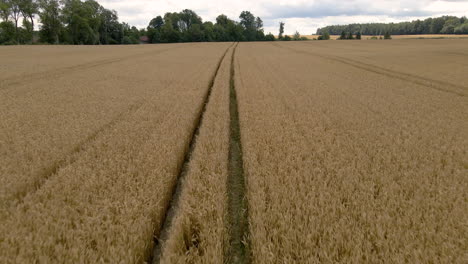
(302, 15)
(94, 22)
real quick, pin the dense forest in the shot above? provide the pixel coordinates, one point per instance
(87, 22)
(439, 25)
(187, 26)
(64, 22)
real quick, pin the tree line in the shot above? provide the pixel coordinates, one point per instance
(187, 26)
(439, 25)
(63, 22)
(87, 22)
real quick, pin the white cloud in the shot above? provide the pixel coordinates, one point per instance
(302, 15)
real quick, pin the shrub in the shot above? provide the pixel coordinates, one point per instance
(324, 36)
(270, 37)
(358, 35)
(387, 35)
(297, 36)
(129, 40)
(7, 33)
(343, 35)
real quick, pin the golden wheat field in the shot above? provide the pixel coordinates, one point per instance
(273, 152)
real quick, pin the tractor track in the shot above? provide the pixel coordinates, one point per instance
(12, 82)
(72, 155)
(411, 78)
(162, 233)
(237, 222)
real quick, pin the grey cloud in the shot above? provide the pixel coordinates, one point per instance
(322, 9)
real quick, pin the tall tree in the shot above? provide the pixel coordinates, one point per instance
(188, 18)
(281, 30)
(343, 35)
(156, 23)
(4, 10)
(15, 14)
(81, 21)
(247, 20)
(358, 35)
(296, 36)
(29, 9)
(169, 34)
(154, 29)
(259, 29)
(110, 28)
(259, 24)
(222, 20)
(450, 25)
(50, 20)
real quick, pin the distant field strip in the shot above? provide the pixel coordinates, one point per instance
(173, 205)
(57, 69)
(12, 82)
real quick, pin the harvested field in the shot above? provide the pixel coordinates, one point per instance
(273, 152)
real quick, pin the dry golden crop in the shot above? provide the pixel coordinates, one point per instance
(105, 204)
(351, 163)
(352, 152)
(199, 233)
(47, 115)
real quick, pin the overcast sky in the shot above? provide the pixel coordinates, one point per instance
(302, 15)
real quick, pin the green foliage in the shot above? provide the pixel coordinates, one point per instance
(387, 35)
(247, 21)
(128, 40)
(7, 33)
(187, 26)
(287, 38)
(270, 37)
(87, 22)
(358, 36)
(296, 36)
(281, 30)
(26, 33)
(450, 25)
(50, 19)
(169, 34)
(4, 10)
(343, 35)
(324, 36)
(462, 28)
(349, 36)
(439, 25)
